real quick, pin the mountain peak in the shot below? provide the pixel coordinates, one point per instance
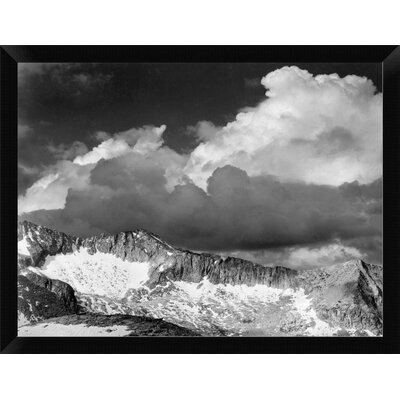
(132, 268)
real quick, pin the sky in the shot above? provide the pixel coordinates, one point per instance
(279, 164)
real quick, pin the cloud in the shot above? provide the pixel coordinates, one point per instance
(50, 191)
(325, 255)
(236, 213)
(323, 129)
(297, 177)
(304, 257)
(141, 141)
(27, 170)
(144, 144)
(203, 131)
(358, 192)
(53, 101)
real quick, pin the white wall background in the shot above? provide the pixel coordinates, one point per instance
(199, 376)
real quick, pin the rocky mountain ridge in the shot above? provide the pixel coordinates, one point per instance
(347, 296)
(143, 246)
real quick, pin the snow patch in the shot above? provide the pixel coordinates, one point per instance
(240, 292)
(54, 329)
(99, 273)
(23, 247)
(22, 319)
(303, 305)
(242, 298)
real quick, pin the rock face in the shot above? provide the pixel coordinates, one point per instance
(344, 297)
(142, 246)
(192, 267)
(40, 298)
(42, 242)
(62, 290)
(349, 295)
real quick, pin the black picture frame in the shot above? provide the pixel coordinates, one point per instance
(389, 56)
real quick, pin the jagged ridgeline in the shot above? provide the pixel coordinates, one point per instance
(138, 275)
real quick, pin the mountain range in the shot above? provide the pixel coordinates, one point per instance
(136, 284)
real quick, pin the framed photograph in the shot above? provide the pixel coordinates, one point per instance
(221, 199)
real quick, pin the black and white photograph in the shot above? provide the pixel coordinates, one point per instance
(200, 199)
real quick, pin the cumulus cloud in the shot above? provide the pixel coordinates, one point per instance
(141, 141)
(203, 131)
(318, 129)
(297, 177)
(304, 257)
(326, 255)
(236, 212)
(51, 190)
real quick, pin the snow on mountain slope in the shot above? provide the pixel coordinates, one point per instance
(138, 274)
(23, 247)
(233, 310)
(23, 320)
(315, 326)
(99, 273)
(108, 285)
